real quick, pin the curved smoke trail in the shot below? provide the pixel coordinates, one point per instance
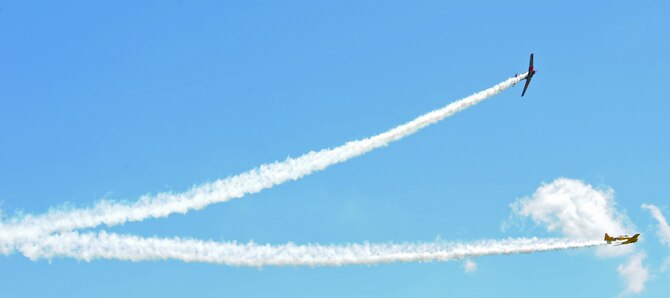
(255, 180)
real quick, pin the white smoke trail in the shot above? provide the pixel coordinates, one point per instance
(255, 180)
(92, 246)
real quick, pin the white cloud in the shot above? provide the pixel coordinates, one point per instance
(663, 227)
(576, 210)
(665, 265)
(634, 273)
(663, 230)
(470, 266)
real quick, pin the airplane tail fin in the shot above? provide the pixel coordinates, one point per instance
(608, 238)
(635, 236)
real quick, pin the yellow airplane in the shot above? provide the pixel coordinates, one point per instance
(625, 238)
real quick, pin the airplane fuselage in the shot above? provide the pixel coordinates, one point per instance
(531, 72)
(623, 239)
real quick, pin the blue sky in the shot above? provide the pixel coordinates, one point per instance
(120, 100)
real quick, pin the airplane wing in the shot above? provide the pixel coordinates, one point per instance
(631, 239)
(527, 81)
(531, 61)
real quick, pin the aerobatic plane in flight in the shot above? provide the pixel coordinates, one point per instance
(621, 240)
(531, 72)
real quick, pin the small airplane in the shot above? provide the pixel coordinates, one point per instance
(531, 72)
(625, 238)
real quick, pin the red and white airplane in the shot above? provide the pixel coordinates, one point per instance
(531, 72)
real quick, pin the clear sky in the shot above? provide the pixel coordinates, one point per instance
(122, 99)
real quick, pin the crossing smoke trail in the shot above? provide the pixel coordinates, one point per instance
(255, 180)
(91, 246)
